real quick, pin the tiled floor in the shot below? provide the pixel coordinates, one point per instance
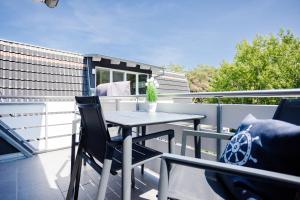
(46, 176)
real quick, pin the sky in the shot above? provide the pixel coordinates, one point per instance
(158, 32)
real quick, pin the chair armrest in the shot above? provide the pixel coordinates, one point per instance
(119, 139)
(223, 168)
(208, 134)
(170, 133)
(150, 136)
(202, 133)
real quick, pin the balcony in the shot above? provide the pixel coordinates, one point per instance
(41, 130)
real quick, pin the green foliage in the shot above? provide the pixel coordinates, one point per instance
(269, 62)
(151, 92)
(175, 68)
(200, 77)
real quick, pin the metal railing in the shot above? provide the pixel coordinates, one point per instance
(137, 99)
(225, 94)
(19, 102)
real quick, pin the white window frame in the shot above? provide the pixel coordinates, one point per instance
(124, 77)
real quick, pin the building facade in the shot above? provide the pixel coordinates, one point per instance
(32, 71)
(28, 70)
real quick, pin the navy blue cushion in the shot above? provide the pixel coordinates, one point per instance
(265, 144)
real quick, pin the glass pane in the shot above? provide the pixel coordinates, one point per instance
(118, 76)
(132, 79)
(142, 83)
(102, 76)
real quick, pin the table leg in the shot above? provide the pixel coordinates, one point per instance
(143, 143)
(127, 163)
(197, 139)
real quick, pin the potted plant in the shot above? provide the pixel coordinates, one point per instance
(151, 94)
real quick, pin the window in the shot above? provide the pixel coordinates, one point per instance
(102, 76)
(118, 76)
(142, 83)
(137, 80)
(132, 79)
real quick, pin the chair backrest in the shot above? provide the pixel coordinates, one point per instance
(94, 128)
(288, 110)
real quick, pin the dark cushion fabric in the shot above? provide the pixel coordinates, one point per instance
(265, 144)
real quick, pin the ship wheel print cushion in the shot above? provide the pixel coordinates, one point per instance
(264, 144)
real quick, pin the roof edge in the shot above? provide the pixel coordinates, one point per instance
(41, 47)
(99, 56)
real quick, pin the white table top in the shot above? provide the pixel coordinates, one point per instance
(139, 118)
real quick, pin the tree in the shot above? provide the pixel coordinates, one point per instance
(200, 77)
(175, 68)
(269, 62)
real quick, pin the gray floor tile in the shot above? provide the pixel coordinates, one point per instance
(112, 196)
(46, 177)
(32, 192)
(83, 194)
(91, 189)
(8, 190)
(8, 171)
(63, 182)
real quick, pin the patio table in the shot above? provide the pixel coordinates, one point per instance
(130, 119)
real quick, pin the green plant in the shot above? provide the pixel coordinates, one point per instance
(267, 63)
(151, 92)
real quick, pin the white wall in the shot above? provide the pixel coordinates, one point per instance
(29, 121)
(231, 117)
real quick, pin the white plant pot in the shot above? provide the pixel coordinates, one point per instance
(152, 107)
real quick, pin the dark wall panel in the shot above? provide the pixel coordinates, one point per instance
(6, 148)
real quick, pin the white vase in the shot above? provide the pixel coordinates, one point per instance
(152, 107)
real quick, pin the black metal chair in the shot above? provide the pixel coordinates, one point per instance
(96, 143)
(200, 181)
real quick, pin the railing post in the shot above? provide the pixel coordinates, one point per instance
(197, 139)
(183, 144)
(219, 127)
(46, 125)
(117, 104)
(137, 106)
